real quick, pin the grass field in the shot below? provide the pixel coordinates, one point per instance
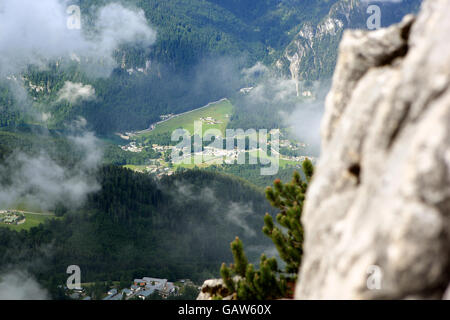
(198, 161)
(282, 163)
(135, 168)
(31, 220)
(220, 111)
(203, 162)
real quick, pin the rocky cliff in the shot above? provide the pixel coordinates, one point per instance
(312, 53)
(377, 216)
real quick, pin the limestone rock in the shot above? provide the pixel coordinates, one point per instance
(215, 287)
(312, 53)
(377, 216)
(447, 294)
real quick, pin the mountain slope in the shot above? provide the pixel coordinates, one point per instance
(312, 53)
(180, 227)
(198, 56)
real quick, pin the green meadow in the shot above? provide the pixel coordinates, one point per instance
(31, 220)
(220, 111)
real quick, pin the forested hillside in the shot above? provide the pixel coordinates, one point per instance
(312, 53)
(69, 123)
(197, 58)
(200, 51)
(178, 228)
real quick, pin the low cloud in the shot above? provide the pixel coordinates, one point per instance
(237, 214)
(190, 192)
(41, 182)
(302, 114)
(305, 120)
(255, 72)
(18, 285)
(76, 92)
(274, 102)
(35, 32)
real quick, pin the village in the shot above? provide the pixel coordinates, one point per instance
(209, 155)
(158, 169)
(145, 288)
(210, 120)
(12, 217)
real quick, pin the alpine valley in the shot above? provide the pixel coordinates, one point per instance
(87, 113)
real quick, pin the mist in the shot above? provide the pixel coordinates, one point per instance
(233, 212)
(19, 285)
(305, 119)
(271, 101)
(75, 92)
(38, 181)
(237, 213)
(36, 32)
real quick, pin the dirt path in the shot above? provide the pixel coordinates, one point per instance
(35, 213)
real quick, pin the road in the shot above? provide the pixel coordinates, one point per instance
(35, 213)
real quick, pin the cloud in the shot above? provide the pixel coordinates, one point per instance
(35, 32)
(273, 102)
(275, 98)
(75, 92)
(237, 214)
(41, 182)
(190, 192)
(255, 72)
(18, 285)
(118, 25)
(306, 118)
(275, 91)
(305, 122)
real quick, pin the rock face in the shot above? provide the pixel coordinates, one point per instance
(312, 53)
(377, 216)
(213, 287)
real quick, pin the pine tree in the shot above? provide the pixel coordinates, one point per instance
(241, 279)
(288, 198)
